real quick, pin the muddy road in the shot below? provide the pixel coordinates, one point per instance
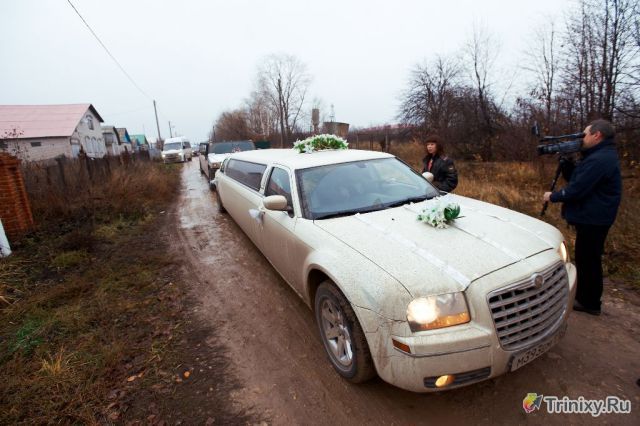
(271, 338)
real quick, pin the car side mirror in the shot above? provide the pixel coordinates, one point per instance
(275, 202)
(428, 176)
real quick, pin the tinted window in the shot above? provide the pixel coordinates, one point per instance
(249, 174)
(227, 147)
(279, 184)
(187, 144)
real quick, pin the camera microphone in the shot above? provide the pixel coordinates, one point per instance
(572, 136)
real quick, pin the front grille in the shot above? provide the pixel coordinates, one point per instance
(523, 314)
(461, 378)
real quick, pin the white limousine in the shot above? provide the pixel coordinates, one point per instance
(425, 308)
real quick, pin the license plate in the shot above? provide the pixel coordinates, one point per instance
(525, 357)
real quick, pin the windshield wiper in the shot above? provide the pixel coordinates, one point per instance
(408, 200)
(349, 212)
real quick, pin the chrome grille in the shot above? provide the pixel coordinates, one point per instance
(523, 314)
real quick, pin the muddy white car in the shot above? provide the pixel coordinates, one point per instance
(425, 308)
(214, 153)
(176, 150)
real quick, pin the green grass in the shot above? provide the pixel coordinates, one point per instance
(79, 299)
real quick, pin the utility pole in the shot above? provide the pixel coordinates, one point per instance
(170, 133)
(157, 123)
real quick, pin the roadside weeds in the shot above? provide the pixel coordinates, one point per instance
(97, 328)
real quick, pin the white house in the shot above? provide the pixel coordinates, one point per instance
(112, 140)
(44, 132)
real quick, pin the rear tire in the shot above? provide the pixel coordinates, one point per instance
(342, 336)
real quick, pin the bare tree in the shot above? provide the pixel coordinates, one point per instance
(428, 103)
(600, 57)
(543, 63)
(283, 81)
(232, 125)
(262, 119)
(480, 54)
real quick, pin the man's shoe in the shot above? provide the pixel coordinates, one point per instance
(577, 306)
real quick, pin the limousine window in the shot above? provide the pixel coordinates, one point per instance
(249, 174)
(279, 184)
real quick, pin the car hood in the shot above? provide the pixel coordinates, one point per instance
(172, 151)
(427, 260)
(217, 158)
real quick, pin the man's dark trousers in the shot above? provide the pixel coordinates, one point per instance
(589, 249)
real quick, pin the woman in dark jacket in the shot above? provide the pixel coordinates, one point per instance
(445, 175)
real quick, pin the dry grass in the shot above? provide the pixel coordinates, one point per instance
(72, 326)
(519, 186)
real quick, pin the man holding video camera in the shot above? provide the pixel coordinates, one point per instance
(590, 203)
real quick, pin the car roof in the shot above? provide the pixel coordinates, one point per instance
(177, 139)
(296, 160)
(243, 141)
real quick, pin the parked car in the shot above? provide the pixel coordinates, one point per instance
(214, 153)
(176, 150)
(426, 309)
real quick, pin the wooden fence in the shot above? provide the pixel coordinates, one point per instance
(64, 175)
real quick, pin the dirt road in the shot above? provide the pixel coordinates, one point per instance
(276, 354)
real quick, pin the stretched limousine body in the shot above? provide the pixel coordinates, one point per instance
(425, 308)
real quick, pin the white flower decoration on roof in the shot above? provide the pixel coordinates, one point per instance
(319, 143)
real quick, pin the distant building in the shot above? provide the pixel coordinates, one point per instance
(140, 142)
(112, 140)
(125, 139)
(44, 132)
(336, 128)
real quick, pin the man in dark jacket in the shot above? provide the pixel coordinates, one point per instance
(445, 176)
(591, 201)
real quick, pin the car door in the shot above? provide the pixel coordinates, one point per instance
(204, 151)
(279, 243)
(239, 190)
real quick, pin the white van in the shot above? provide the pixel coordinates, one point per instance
(177, 149)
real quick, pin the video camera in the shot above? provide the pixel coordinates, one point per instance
(550, 145)
(557, 145)
(554, 144)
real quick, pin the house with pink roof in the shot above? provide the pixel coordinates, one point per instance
(44, 132)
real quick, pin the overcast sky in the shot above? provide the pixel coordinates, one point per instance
(198, 58)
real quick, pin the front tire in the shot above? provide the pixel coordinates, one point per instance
(342, 336)
(221, 208)
(210, 175)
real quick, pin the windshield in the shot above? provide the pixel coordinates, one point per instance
(227, 147)
(359, 187)
(173, 145)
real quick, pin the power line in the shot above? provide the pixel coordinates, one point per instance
(109, 53)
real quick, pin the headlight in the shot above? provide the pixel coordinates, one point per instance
(443, 310)
(564, 252)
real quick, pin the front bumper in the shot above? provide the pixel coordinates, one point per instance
(472, 352)
(173, 159)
